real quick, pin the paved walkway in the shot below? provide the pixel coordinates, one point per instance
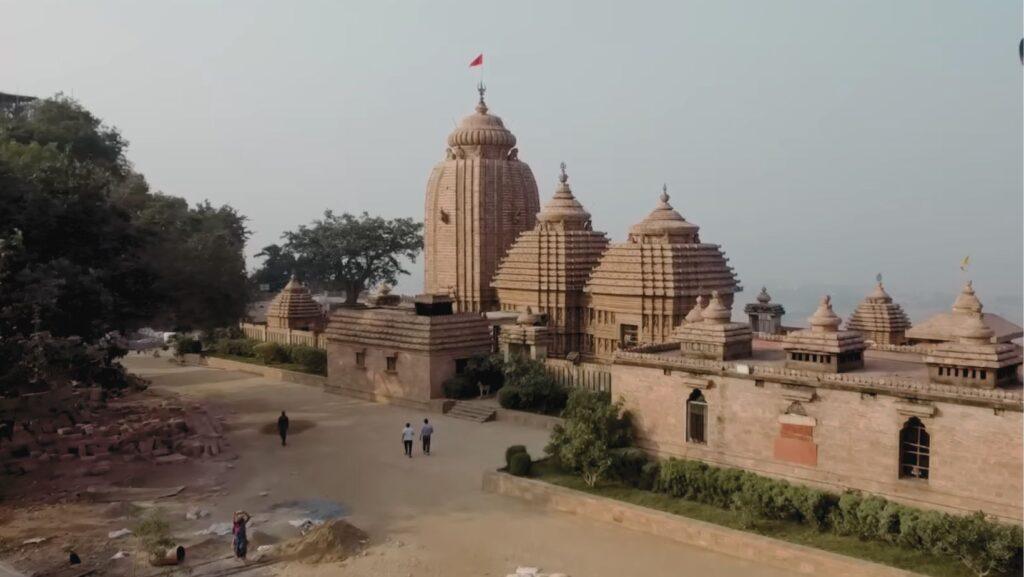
(427, 516)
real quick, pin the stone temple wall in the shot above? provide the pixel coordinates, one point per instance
(844, 439)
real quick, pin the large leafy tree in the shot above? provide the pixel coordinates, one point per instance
(86, 248)
(353, 253)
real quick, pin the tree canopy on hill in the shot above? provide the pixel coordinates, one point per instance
(86, 248)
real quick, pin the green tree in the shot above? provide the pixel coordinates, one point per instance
(592, 427)
(278, 266)
(354, 253)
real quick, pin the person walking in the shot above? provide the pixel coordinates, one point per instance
(282, 428)
(425, 432)
(407, 436)
(241, 541)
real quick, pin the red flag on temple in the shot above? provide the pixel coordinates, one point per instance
(478, 61)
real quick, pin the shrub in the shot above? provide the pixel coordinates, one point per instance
(512, 450)
(460, 387)
(591, 429)
(154, 533)
(311, 359)
(271, 353)
(235, 347)
(185, 345)
(627, 465)
(648, 475)
(529, 387)
(520, 463)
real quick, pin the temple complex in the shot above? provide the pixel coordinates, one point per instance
(824, 347)
(943, 327)
(548, 266)
(765, 316)
(294, 308)
(879, 319)
(930, 415)
(642, 288)
(479, 199)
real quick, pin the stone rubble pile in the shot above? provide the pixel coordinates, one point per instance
(79, 427)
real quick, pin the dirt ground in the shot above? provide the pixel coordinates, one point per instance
(426, 516)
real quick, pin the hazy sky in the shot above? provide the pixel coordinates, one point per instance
(820, 142)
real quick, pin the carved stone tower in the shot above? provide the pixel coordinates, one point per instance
(478, 201)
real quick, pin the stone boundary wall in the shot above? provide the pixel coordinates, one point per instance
(265, 334)
(266, 372)
(525, 419)
(1009, 399)
(748, 546)
(591, 376)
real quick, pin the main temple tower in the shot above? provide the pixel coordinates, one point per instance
(479, 198)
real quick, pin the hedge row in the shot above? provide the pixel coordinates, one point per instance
(311, 359)
(986, 547)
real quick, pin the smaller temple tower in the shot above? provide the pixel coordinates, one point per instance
(765, 316)
(824, 348)
(714, 335)
(294, 308)
(974, 360)
(879, 319)
(548, 266)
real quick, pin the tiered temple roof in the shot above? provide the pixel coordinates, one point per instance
(713, 335)
(548, 266)
(879, 319)
(943, 327)
(402, 329)
(664, 257)
(643, 287)
(823, 346)
(973, 359)
(294, 308)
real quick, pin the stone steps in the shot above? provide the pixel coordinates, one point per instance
(471, 412)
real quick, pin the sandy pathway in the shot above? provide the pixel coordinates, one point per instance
(426, 516)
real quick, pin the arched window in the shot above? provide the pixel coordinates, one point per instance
(915, 446)
(697, 418)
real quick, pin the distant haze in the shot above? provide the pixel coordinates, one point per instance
(819, 142)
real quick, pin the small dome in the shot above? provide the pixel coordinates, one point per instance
(481, 129)
(695, 315)
(825, 319)
(563, 206)
(665, 221)
(716, 312)
(974, 331)
(879, 295)
(966, 301)
(764, 298)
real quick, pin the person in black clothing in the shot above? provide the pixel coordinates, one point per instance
(282, 428)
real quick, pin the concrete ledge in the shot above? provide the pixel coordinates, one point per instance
(267, 372)
(755, 548)
(545, 422)
(375, 397)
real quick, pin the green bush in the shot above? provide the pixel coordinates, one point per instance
(271, 353)
(592, 428)
(529, 387)
(627, 465)
(648, 475)
(460, 387)
(520, 463)
(512, 450)
(983, 545)
(311, 359)
(185, 345)
(235, 347)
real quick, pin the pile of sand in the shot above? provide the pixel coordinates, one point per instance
(332, 541)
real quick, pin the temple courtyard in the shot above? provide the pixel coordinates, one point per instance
(426, 516)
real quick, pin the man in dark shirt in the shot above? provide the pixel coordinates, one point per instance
(282, 428)
(425, 432)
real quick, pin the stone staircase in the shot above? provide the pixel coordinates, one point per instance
(475, 412)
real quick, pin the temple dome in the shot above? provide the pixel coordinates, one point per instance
(974, 331)
(696, 313)
(664, 223)
(880, 319)
(481, 129)
(944, 327)
(716, 312)
(563, 206)
(967, 301)
(825, 319)
(293, 307)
